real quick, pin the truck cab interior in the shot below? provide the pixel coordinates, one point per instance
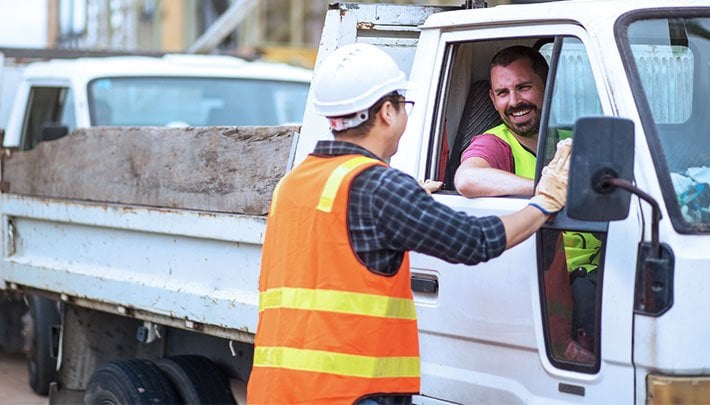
(469, 109)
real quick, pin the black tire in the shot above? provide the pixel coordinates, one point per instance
(42, 367)
(197, 380)
(129, 382)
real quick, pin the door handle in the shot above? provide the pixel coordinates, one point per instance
(425, 285)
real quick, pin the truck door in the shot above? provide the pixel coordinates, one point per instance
(527, 326)
(572, 255)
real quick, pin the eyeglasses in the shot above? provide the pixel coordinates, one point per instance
(408, 106)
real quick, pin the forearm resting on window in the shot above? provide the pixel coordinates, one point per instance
(472, 180)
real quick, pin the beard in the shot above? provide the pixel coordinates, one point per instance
(527, 129)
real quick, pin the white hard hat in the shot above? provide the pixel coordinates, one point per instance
(353, 78)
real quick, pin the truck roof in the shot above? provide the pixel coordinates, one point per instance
(570, 10)
(87, 69)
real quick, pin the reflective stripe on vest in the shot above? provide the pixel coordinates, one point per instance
(332, 185)
(337, 301)
(325, 203)
(329, 330)
(524, 160)
(336, 363)
(272, 206)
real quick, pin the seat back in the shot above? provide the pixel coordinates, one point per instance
(478, 115)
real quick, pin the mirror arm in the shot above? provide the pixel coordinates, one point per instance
(656, 213)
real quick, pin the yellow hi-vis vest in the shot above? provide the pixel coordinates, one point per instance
(524, 160)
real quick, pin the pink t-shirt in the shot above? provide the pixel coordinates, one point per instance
(493, 150)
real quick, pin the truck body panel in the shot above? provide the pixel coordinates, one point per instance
(200, 217)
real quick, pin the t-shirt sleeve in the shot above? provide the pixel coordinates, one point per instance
(493, 150)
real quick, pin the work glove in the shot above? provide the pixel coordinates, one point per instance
(430, 186)
(551, 192)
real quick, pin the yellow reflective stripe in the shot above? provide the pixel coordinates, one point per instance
(338, 301)
(333, 183)
(273, 197)
(351, 365)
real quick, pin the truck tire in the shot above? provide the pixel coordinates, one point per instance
(42, 367)
(197, 380)
(134, 381)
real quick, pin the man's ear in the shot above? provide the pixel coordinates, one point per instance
(492, 96)
(386, 112)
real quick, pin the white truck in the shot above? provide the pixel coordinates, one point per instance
(141, 236)
(46, 99)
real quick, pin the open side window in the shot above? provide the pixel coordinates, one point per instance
(465, 108)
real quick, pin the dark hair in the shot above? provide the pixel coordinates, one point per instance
(363, 128)
(511, 54)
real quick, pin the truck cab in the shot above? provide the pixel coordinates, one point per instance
(493, 332)
(627, 81)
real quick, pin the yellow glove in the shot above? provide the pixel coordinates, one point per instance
(430, 186)
(551, 192)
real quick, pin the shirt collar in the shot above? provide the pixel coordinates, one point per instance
(339, 148)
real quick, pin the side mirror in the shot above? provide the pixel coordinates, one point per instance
(603, 149)
(52, 130)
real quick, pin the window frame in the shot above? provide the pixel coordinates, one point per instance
(562, 222)
(644, 109)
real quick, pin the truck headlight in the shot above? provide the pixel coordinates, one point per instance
(677, 390)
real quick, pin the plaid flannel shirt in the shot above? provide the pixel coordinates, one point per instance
(389, 213)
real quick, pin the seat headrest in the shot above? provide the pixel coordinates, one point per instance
(478, 115)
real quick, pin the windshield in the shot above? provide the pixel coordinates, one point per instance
(671, 58)
(189, 101)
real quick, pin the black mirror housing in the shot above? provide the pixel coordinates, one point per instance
(603, 148)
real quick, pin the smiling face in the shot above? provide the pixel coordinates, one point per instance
(517, 93)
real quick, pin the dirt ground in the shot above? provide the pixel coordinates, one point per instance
(14, 388)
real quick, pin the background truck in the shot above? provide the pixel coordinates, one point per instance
(44, 100)
(60, 95)
(151, 237)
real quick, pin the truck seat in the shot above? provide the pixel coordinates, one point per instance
(478, 115)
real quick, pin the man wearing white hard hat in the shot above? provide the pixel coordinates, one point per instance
(337, 323)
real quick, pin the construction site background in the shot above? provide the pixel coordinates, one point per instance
(275, 30)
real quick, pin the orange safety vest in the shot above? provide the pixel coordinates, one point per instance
(330, 331)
